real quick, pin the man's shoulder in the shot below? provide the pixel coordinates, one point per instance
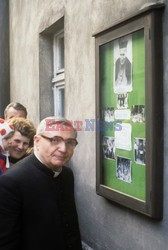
(20, 168)
(67, 175)
(67, 171)
(127, 60)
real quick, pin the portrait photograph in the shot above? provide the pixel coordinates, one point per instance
(108, 114)
(140, 151)
(123, 169)
(138, 113)
(108, 147)
(122, 101)
(123, 64)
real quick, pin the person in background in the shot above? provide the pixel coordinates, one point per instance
(37, 204)
(22, 139)
(15, 109)
(6, 132)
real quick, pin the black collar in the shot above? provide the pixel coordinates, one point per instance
(41, 166)
(14, 160)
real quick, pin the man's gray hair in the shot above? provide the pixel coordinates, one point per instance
(54, 123)
(17, 106)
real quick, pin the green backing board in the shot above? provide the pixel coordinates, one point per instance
(108, 98)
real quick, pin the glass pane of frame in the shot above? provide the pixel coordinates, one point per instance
(122, 88)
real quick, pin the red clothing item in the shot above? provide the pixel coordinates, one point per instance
(2, 163)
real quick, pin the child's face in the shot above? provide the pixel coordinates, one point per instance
(7, 141)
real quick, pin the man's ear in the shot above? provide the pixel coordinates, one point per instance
(36, 139)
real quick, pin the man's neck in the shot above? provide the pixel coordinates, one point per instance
(55, 171)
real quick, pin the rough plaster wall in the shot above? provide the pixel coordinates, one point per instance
(104, 225)
(4, 56)
(24, 55)
(27, 19)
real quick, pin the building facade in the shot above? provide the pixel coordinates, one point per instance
(52, 71)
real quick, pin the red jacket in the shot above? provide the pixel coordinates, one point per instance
(2, 163)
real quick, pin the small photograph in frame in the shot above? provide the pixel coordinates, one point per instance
(138, 113)
(123, 169)
(122, 101)
(123, 64)
(140, 151)
(108, 114)
(108, 147)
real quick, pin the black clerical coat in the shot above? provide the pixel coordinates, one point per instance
(37, 210)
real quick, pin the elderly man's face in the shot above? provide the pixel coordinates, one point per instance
(18, 145)
(14, 113)
(54, 156)
(123, 52)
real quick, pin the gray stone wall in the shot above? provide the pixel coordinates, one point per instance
(4, 56)
(104, 225)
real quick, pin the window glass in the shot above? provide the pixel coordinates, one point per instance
(58, 73)
(61, 53)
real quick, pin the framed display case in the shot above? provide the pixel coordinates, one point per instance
(129, 112)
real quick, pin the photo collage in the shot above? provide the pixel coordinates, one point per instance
(134, 114)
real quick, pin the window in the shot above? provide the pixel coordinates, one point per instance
(58, 73)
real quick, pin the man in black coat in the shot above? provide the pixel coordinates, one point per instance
(37, 206)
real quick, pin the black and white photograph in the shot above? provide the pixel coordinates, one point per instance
(140, 151)
(108, 146)
(123, 64)
(122, 101)
(138, 113)
(108, 114)
(123, 169)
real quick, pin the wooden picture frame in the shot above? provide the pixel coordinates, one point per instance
(129, 112)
